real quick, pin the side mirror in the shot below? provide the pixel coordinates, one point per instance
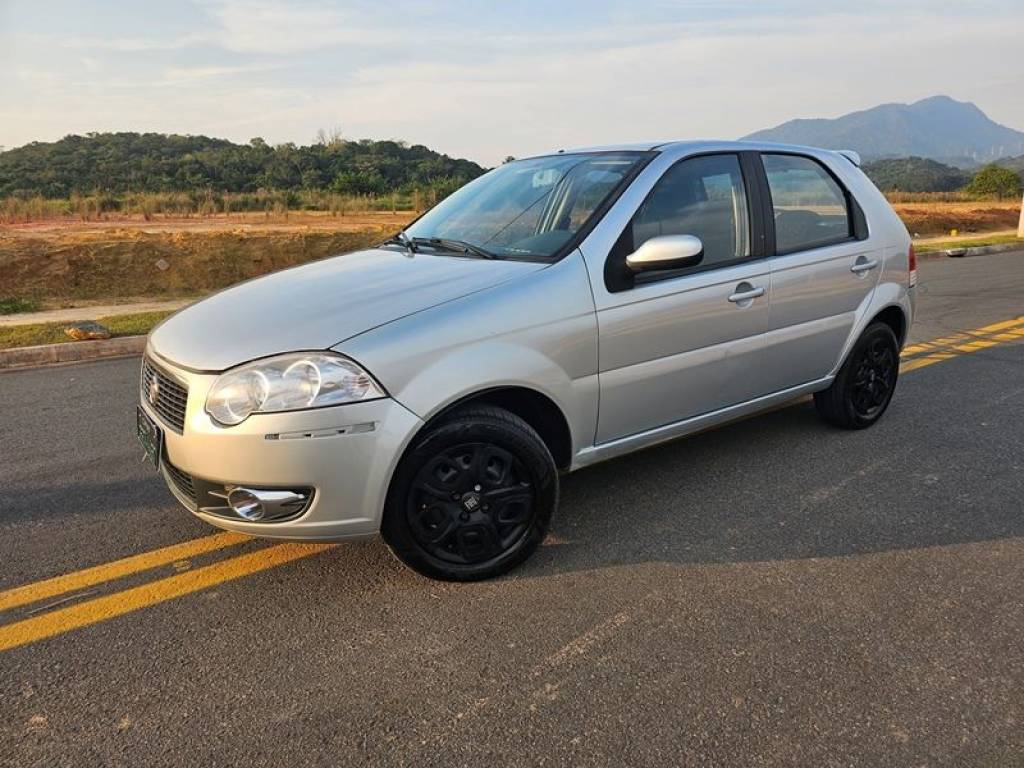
(666, 252)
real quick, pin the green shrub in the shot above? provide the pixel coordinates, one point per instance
(997, 181)
(12, 305)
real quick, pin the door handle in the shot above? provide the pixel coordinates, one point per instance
(863, 266)
(746, 293)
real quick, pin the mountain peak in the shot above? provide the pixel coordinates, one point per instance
(939, 99)
(937, 127)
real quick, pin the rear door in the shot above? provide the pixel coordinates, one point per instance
(682, 343)
(825, 266)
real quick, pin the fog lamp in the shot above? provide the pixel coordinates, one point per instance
(246, 504)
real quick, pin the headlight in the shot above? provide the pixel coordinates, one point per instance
(288, 383)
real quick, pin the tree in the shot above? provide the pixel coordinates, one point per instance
(915, 174)
(124, 163)
(995, 180)
(332, 138)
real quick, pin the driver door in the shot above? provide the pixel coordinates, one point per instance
(681, 343)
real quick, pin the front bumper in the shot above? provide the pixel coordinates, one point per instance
(346, 454)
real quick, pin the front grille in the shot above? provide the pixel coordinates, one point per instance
(182, 481)
(165, 394)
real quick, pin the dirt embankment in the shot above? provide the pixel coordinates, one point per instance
(79, 264)
(939, 218)
(67, 262)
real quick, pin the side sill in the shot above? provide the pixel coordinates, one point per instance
(630, 443)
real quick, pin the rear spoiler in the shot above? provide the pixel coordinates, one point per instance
(849, 154)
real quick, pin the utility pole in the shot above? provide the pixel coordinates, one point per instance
(1020, 225)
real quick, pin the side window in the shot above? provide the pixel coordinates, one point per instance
(810, 208)
(702, 196)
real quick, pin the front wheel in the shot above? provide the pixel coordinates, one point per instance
(472, 498)
(865, 384)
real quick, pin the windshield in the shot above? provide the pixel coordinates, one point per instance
(528, 208)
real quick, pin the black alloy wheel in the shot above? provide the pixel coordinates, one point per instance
(875, 378)
(470, 503)
(864, 386)
(473, 497)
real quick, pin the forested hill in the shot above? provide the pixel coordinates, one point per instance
(915, 174)
(156, 162)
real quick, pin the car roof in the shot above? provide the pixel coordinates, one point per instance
(704, 145)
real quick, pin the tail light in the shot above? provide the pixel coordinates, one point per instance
(912, 266)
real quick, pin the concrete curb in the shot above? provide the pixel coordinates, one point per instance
(71, 352)
(981, 250)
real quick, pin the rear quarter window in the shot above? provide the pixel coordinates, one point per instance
(809, 207)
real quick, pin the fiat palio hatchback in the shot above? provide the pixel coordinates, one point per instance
(555, 312)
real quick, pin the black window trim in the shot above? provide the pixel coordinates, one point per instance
(855, 217)
(618, 278)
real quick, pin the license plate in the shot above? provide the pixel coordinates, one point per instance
(149, 435)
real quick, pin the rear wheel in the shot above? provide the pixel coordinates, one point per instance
(472, 498)
(865, 384)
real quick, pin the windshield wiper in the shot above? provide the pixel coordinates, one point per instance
(402, 239)
(456, 246)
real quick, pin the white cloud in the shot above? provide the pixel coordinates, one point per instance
(185, 75)
(252, 26)
(131, 44)
(722, 83)
(474, 88)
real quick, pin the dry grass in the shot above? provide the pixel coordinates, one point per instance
(290, 221)
(67, 263)
(938, 218)
(71, 261)
(967, 242)
(201, 204)
(937, 197)
(53, 333)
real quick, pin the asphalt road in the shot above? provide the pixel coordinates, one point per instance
(775, 592)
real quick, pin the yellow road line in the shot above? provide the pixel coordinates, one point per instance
(1009, 335)
(974, 346)
(128, 600)
(982, 338)
(920, 362)
(1001, 325)
(968, 341)
(70, 582)
(925, 346)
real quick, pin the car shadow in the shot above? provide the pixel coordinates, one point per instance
(32, 503)
(782, 486)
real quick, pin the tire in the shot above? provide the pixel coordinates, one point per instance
(473, 496)
(863, 388)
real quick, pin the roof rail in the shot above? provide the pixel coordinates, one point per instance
(849, 154)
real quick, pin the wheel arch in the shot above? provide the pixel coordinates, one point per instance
(893, 316)
(890, 303)
(534, 407)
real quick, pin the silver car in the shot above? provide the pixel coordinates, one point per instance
(555, 312)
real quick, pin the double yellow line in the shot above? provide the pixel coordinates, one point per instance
(936, 351)
(125, 601)
(54, 620)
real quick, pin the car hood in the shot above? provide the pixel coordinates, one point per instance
(318, 305)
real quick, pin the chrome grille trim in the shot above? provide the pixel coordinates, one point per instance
(171, 396)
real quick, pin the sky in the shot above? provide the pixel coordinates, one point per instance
(486, 80)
